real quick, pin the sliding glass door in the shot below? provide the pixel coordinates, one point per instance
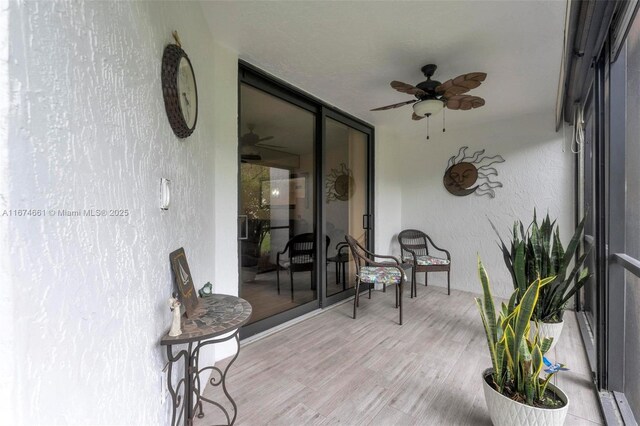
(276, 146)
(346, 170)
(305, 173)
(609, 192)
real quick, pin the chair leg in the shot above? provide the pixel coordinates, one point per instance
(384, 288)
(411, 287)
(396, 289)
(400, 300)
(449, 283)
(426, 277)
(355, 298)
(291, 277)
(370, 286)
(278, 277)
(344, 277)
(414, 285)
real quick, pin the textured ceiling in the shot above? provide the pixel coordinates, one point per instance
(346, 53)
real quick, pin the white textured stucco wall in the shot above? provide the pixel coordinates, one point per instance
(7, 366)
(536, 173)
(387, 191)
(88, 130)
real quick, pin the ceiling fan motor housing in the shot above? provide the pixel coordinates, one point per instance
(429, 86)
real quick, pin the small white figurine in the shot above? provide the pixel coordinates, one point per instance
(174, 304)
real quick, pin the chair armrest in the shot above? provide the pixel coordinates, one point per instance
(369, 257)
(284, 250)
(383, 256)
(373, 255)
(439, 249)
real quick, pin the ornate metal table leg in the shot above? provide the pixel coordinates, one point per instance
(176, 399)
(218, 377)
(196, 383)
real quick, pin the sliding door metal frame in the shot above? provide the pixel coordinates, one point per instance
(600, 215)
(320, 227)
(259, 79)
(614, 326)
(584, 162)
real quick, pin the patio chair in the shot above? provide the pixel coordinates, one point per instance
(414, 248)
(301, 249)
(369, 271)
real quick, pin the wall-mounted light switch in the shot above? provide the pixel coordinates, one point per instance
(165, 193)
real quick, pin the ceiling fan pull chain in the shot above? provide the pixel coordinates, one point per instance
(443, 126)
(428, 117)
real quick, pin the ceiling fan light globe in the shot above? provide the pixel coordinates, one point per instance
(428, 107)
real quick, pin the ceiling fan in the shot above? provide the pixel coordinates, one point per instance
(253, 139)
(253, 150)
(249, 142)
(432, 96)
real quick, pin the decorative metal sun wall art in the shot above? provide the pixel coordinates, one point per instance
(340, 184)
(472, 174)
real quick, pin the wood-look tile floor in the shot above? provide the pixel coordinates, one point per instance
(331, 369)
(262, 292)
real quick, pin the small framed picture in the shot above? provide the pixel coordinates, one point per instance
(184, 281)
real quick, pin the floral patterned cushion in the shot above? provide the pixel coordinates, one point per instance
(380, 274)
(427, 260)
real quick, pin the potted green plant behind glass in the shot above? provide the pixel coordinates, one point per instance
(514, 390)
(538, 252)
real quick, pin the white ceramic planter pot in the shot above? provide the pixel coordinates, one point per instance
(549, 329)
(507, 412)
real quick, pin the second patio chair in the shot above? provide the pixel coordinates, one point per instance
(370, 271)
(415, 250)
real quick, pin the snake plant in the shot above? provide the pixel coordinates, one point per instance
(538, 252)
(517, 356)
